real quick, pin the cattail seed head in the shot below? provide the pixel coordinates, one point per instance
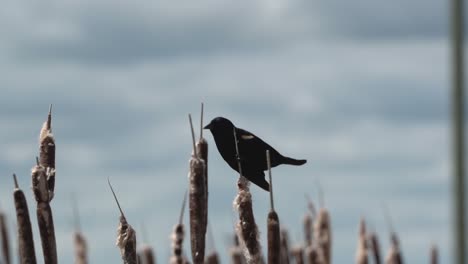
(362, 249)
(323, 234)
(25, 235)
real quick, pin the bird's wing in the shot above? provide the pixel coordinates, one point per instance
(253, 149)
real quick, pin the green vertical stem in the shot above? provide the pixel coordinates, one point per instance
(457, 130)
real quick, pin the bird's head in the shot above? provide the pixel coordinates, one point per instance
(219, 123)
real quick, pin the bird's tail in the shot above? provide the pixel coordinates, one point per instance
(292, 161)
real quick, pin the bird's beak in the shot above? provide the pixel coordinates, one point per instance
(207, 126)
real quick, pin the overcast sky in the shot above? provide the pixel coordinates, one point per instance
(358, 88)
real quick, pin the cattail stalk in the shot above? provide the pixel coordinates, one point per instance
(177, 238)
(322, 234)
(212, 258)
(47, 153)
(79, 240)
(5, 239)
(81, 248)
(44, 213)
(434, 255)
(298, 254)
(247, 228)
(394, 254)
(202, 153)
(25, 235)
(308, 228)
(197, 203)
(314, 254)
(375, 247)
(236, 255)
(126, 236)
(146, 255)
(362, 249)
(284, 247)
(274, 241)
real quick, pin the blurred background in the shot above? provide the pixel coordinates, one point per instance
(360, 89)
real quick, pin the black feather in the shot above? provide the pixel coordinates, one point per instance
(252, 151)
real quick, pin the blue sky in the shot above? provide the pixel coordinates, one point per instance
(360, 89)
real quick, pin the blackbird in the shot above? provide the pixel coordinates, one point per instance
(252, 151)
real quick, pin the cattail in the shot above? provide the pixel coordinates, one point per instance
(25, 235)
(309, 222)
(212, 258)
(434, 255)
(236, 255)
(177, 238)
(298, 254)
(394, 254)
(247, 228)
(79, 241)
(197, 204)
(202, 153)
(284, 247)
(314, 254)
(375, 247)
(308, 227)
(4, 239)
(274, 241)
(44, 213)
(81, 248)
(362, 253)
(126, 236)
(146, 255)
(322, 234)
(47, 153)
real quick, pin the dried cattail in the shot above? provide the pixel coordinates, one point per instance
(314, 254)
(212, 258)
(79, 240)
(236, 255)
(5, 239)
(434, 255)
(126, 236)
(273, 234)
(202, 153)
(394, 254)
(309, 222)
(284, 247)
(197, 204)
(247, 228)
(322, 234)
(177, 238)
(146, 255)
(47, 152)
(44, 213)
(298, 254)
(308, 228)
(362, 250)
(375, 247)
(81, 248)
(25, 235)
